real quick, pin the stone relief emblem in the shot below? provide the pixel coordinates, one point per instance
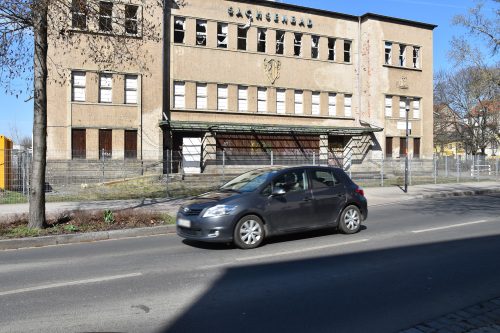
(403, 83)
(272, 68)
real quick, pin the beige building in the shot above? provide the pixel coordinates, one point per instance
(247, 82)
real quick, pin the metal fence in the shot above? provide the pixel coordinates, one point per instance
(115, 177)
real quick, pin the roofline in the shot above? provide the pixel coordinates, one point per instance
(398, 20)
(333, 14)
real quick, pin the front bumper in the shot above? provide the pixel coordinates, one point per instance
(210, 229)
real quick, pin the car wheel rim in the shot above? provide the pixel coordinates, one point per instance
(352, 219)
(250, 232)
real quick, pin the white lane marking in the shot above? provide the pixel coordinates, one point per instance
(284, 253)
(70, 283)
(452, 226)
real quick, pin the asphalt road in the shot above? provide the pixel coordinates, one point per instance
(412, 262)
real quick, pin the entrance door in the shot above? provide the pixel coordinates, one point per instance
(191, 155)
(131, 144)
(78, 143)
(105, 143)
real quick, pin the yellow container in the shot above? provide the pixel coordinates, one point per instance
(5, 163)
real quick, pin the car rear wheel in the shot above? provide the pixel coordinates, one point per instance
(350, 220)
(249, 232)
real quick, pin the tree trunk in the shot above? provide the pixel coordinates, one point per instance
(37, 188)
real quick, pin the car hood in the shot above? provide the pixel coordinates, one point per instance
(211, 198)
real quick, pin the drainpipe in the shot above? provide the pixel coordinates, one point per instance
(359, 68)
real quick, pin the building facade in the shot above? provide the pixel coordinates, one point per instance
(244, 81)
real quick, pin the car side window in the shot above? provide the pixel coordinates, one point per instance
(323, 179)
(292, 181)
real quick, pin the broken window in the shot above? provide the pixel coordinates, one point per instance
(402, 55)
(388, 53)
(416, 57)
(347, 51)
(261, 40)
(280, 42)
(222, 29)
(315, 47)
(106, 16)
(201, 32)
(179, 30)
(131, 26)
(242, 38)
(331, 49)
(79, 14)
(297, 45)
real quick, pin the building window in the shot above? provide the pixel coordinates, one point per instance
(299, 102)
(78, 86)
(130, 89)
(262, 100)
(347, 51)
(201, 95)
(201, 32)
(78, 143)
(348, 105)
(416, 57)
(105, 88)
(315, 47)
(315, 104)
(131, 20)
(332, 104)
(242, 98)
(222, 35)
(416, 109)
(388, 53)
(388, 106)
(280, 101)
(222, 97)
(105, 16)
(242, 38)
(79, 14)
(331, 49)
(280, 42)
(297, 45)
(179, 30)
(179, 95)
(403, 103)
(261, 40)
(402, 55)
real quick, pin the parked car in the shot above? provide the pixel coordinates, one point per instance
(272, 201)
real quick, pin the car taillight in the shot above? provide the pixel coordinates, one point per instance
(360, 191)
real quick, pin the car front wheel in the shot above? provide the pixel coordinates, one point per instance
(249, 232)
(350, 220)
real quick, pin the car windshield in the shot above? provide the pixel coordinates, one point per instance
(250, 181)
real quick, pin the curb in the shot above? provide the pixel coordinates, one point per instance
(463, 193)
(19, 243)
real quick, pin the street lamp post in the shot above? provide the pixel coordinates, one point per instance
(406, 144)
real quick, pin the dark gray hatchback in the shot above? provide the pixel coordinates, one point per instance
(273, 201)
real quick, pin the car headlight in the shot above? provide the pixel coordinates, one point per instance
(219, 210)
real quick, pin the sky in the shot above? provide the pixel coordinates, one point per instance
(16, 113)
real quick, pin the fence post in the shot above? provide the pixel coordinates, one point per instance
(446, 166)
(458, 168)
(496, 168)
(382, 173)
(272, 157)
(435, 168)
(102, 157)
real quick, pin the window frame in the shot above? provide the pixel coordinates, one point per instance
(347, 51)
(297, 44)
(331, 48)
(388, 53)
(242, 36)
(298, 102)
(221, 97)
(261, 41)
(241, 100)
(132, 22)
(201, 96)
(178, 95)
(131, 89)
(280, 42)
(315, 103)
(78, 86)
(388, 106)
(280, 92)
(315, 46)
(416, 57)
(105, 88)
(105, 18)
(200, 24)
(222, 44)
(402, 55)
(262, 91)
(348, 107)
(332, 106)
(179, 32)
(79, 13)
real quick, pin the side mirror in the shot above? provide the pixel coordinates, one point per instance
(278, 191)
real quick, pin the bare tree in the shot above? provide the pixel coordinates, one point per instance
(28, 28)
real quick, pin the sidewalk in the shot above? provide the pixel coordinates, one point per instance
(376, 196)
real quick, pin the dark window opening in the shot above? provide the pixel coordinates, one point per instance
(201, 32)
(280, 42)
(222, 30)
(79, 14)
(388, 147)
(131, 26)
(331, 49)
(347, 51)
(261, 40)
(242, 38)
(179, 30)
(297, 45)
(106, 16)
(315, 47)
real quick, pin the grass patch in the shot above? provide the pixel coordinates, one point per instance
(84, 221)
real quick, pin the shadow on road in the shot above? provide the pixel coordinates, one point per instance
(377, 291)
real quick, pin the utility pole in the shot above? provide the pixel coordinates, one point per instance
(406, 144)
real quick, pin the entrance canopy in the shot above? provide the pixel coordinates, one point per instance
(188, 126)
